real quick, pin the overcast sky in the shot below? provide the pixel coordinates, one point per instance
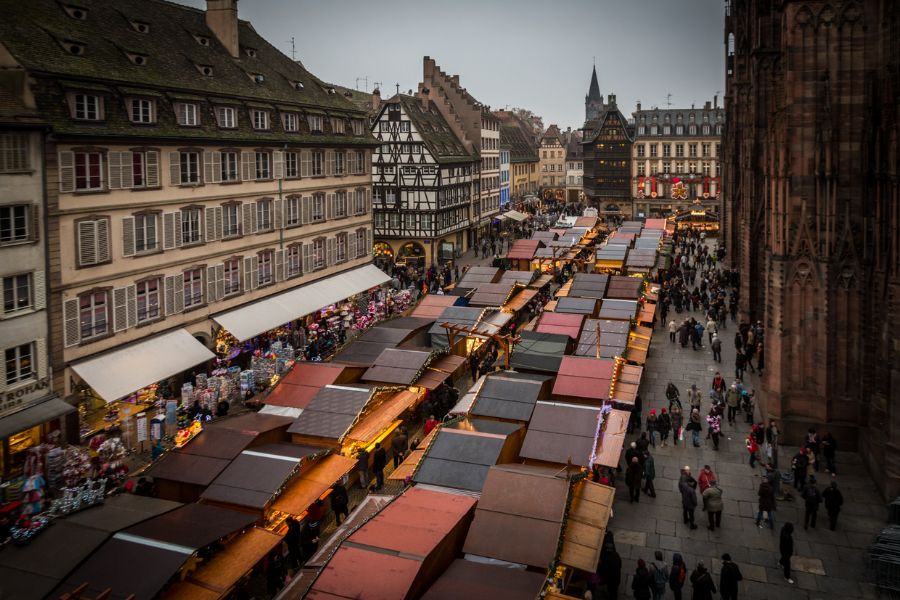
(534, 54)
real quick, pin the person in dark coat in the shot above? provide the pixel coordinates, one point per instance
(379, 462)
(633, 479)
(677, 576)
(729, 578)
(811, 499)
(829, 449)
(766, 495)
(702, 582)
(399, 445)
(274, 573)
(786, 548)
(641, 584)
(687, 486)
(292, 539)
(362, 466)
(610, 567)
(340, 502)
(833, 502)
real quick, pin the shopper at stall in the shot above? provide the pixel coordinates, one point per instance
(379, 462)
(362, 467)
(399, 445)
(340, 502)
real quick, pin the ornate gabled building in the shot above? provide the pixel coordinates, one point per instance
(607, 153)
(523, 154)
(812, 213)
(423, 183)
(553, 165)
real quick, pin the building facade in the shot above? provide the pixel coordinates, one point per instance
(574, 167)
(191, 169)
(424, 179)
(607, 154)
(552, 151)
(504, 176)
(524, 160)
(676, 159)
(811, 214)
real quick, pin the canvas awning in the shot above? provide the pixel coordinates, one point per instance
(33, 415)
(253, 319)
(118, 373)
(515, 215)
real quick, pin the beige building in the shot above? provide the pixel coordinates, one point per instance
(523, 155)
(197, 179)
(553, 165)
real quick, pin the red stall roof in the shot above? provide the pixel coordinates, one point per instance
(432, 305)
(523, 249)
(562, 323)
(299, 386)
(583, 377)
(386, 576)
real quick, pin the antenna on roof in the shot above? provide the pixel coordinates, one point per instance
(398, 88)
(293, 50)
(377, 85)
(669, 100)
(364, 78)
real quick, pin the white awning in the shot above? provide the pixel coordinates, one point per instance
(281, 411)
(514, 215)
(124, 371)
(253, 319)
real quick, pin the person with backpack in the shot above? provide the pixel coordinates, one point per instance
(641, 583)
(811, 499)
(729, 578)
(702, 581)
(677, 576)
(659, 573)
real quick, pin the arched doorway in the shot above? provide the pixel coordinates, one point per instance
(411, 253)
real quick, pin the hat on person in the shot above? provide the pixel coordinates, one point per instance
(634, 444)
(641, 562)
(663, 411)
(652, 411)
(686, 468)
(726, 556)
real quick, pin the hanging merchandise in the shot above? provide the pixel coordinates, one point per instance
(76, 465)
(73, 499)
(33, 495)
(26, 528)
(55, 460)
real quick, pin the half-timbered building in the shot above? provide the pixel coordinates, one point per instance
(607, 158)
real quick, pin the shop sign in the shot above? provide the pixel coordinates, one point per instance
(14, 399)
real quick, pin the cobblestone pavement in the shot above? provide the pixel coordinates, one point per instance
(827, 564)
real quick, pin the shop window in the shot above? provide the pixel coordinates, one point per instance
(94, 314)
(17, 293)
(19, 364)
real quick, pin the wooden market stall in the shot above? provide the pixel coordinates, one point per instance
(560, 323)
(380, 420)
(295, 390)
(474, 580)
(400, 332)
(641, 261)
(521, 255)
(508, 396)
(523, 277)
(589, 285)
(603, 338)
(313, 483)
(614, 426)
(577, 306)
(413, 458)
(432, 305)
(561, 434)
(397, 366)
(329, 415)
(540, 352)
(584, 380)
(610, 258)
(626, 383)
(585, 527)
(624, 288)
(618, 310)
(494, 294)
(445, 369)
(475, 276)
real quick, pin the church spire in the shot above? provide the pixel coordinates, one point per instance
(593, 102)
(594, 89)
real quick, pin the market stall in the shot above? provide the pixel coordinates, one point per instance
(610, 258)
(544, 236)
(618, 310)
(590, 508)
(612, 438)
(413, 458)
(329, 415)
(295, 390)
(397, 366)
(624, 288)
(577, 306)
(539, 352)
(313, 483)
(561, 434)
(589, 285)
(468, 579)
(380, 419)
(522, 277)
(584, 380)
(432, 305)
(560, 323)
(520, 301)
(641, 261)
(445, 369)
(494, 294)
(602, 338)
(696, 219)
(475, 276)
(403, 331)
(507, 395)
(626, 383)
(521, 254)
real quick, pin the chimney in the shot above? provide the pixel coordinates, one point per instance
(639, 106)
(424, 97)
(222, 19)
(707, 105)
(455, 80)
(716, 101)
(376, 99)
(428, 68)
(611, 100)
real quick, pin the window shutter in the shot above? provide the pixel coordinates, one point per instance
(329, 207)
(169, 230)
(279, 265)
(249, 217)
(212, 167)
(151, 160)
(278, 219)
(211, 285)
(87, 243)
(39, 286)
(307, 258)
(209, 215)
(305, 163)
(132, 305)
(103, 245)
(255, 272)
(367, 207)
(247, 167)
(120, 309)
(128, 236)
(71, 320)
(179, 292)
(34, 227)
(40, 350)
(305, 210)
(67, 172)
(329, 162)
(128, 169)
(368, 248)
(169, 295)
(351, 246)
(175, 167)
(220, 281)
(219, 222)
(330, 251)
(248, 273)
(114, 164)
(366, 163)
(278, 164)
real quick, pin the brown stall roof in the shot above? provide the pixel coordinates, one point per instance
(624, 288)
(578, 306)
(389, 334)
(541, 281)
(478, 275)
(584, 377)
(387, 576)
(53, 554)
(539, 351)
(440, 371)
(506, 395)
(493, 294)
(216, 443)
(589, 285)
(193, 526)
(312, 483)
(302, 382)
(560, 433)
(331, 412)
(519, 515)
(614, 426)
(523, 277)
(367, 508)
(561, 323)
(659, 224)
(523, 249)
(613, 340)
(545, 236)
(586, 524)
(408, 466)
(188, 468)
(627, 383)
(251, 423)
(432, 305)
(378, 418)
(121, 511)
(397, 366)
(520, 300)
(474, 580)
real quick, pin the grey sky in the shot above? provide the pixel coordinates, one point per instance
(535, 54)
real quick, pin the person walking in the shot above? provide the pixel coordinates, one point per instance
(799, 464)
(379, 462)
(677, 576)
(829, 450)
(687, 486)
(664, 426)
(362, 467)
(740, 361)
(833, 501)
(340, 502)
(711, 329)
(702, 581)
(694, 427)
(649, 475)
(729, 578)
(786, 548)
(706, 477)
(811, 500)
(673, 395)
(677, 421)
(633, 479)
(715, 426)
(772, 435)
(673, 329)
(634, 419)
(399, 445)
(733, 401)
(713, 505)
(716, 345)
(641, 584)
(766, 494)
(752, 448)
(652, 426)
(695, 398)
(659, 574)
(610, 568)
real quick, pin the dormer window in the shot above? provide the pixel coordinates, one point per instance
(202, 40)
(140, 27)
(87, 107)
(290, 122)
(138, 59)
(187, 114)
(257, 78)
(298, 85)
(74, 48)
(76, 12)
(315, 123)
(226, 116)
(206, 70)
(337, 126)
(142, 110)
(357, 125)
(260, 119)
(251, 52)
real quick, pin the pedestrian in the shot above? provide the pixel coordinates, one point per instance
(292, 540)
(362, 467)
(659, 574)
(641, 584)
(760, 358)
(702, 581)
(732, 401)
(633, 479)
(687, 486)
(677, 576)
(713, 505)
(673, 328)
(833, 502)
(664, 425)
(634, 419)
(694, 427)
(379, 462)
(811, 500)
(766, 494)
(340, 502)
(651, 426)
(631, 452)
(677, 420)
(740, 361)
(274, 573)
(649, 475)
(729, 577)
(430, 424)
(829, 449)
(752, 448)
(715, 426)
(695, 398)
(711, 329)
(799, 464)
(399, 445)
(643, 444)
(706, 477)
(610, 568)
(673, 395)
(786, 548)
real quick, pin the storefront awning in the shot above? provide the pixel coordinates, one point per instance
(514, 215)
(121, 372)
(253, 319)
(33, 415)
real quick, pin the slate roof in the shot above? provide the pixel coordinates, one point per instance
(521, 149)
(539, 351)
(14, 112)
(559, 432)
(439, 138)
(395, 365)
(589, 285)
(657, 116)
(331, 413)
(552, 136)
(508, 395)
(362, 100)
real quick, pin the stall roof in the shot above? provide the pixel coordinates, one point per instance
(440, 371)
(460, 458)
(367, 508)
(541, 281)
(251, 423)
(379, 417)
(583, 377)
(255, 476)
(621, 310)
(120, 511)
(519, 515)
(655, 224)
(624, 288)
(302, 382)
(192, 526)
(539, 351)
(520, 300)
(32, 415)
(332, 411)
(586, 524)
(588, 222)
(188, 468)
(397, 366)
(312, 483)
(612, 253)
(561, 323)
(589, 285)
(52, 555)
(389, 576)
(507, 395)
(514, 215)
(413, 458)
(613, 338)
(252, 319)
(578, 306)
(560, 433)
(470, 579)
(456, 315)
(627, 383)
(614, 426)
(432, 305)
(545, 236)
(493, 294)
(524, 249)
(123, 371)
(476, 275)
(523, 277)
(389, 334)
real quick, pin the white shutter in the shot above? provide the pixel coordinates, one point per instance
(248, 217)
(368, 249)
(128, 170)
(248, 273)
(39, 289)
(278, 219)
(40, 350)
(278, 164)
(305, 216)
(151, 160)
(351, 245)
(212, 167)
(71, 320)
(120, 309)
(330, 251)
(220, 281)
(211, 294)
(87, 243)
(175, 168)
(305, 163)
(279, 265)
(169, 295)
(254, 274)
(169, 230)
(132, 305)
(67, 172)
(219, 222)
(128, 236)
(248, 171)
(329, 207)
(329, 162)
(366, 163)
(307, 258)
(368, 203)
(103, 245)
(179, 292)
(114, 164)
(209, 216)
